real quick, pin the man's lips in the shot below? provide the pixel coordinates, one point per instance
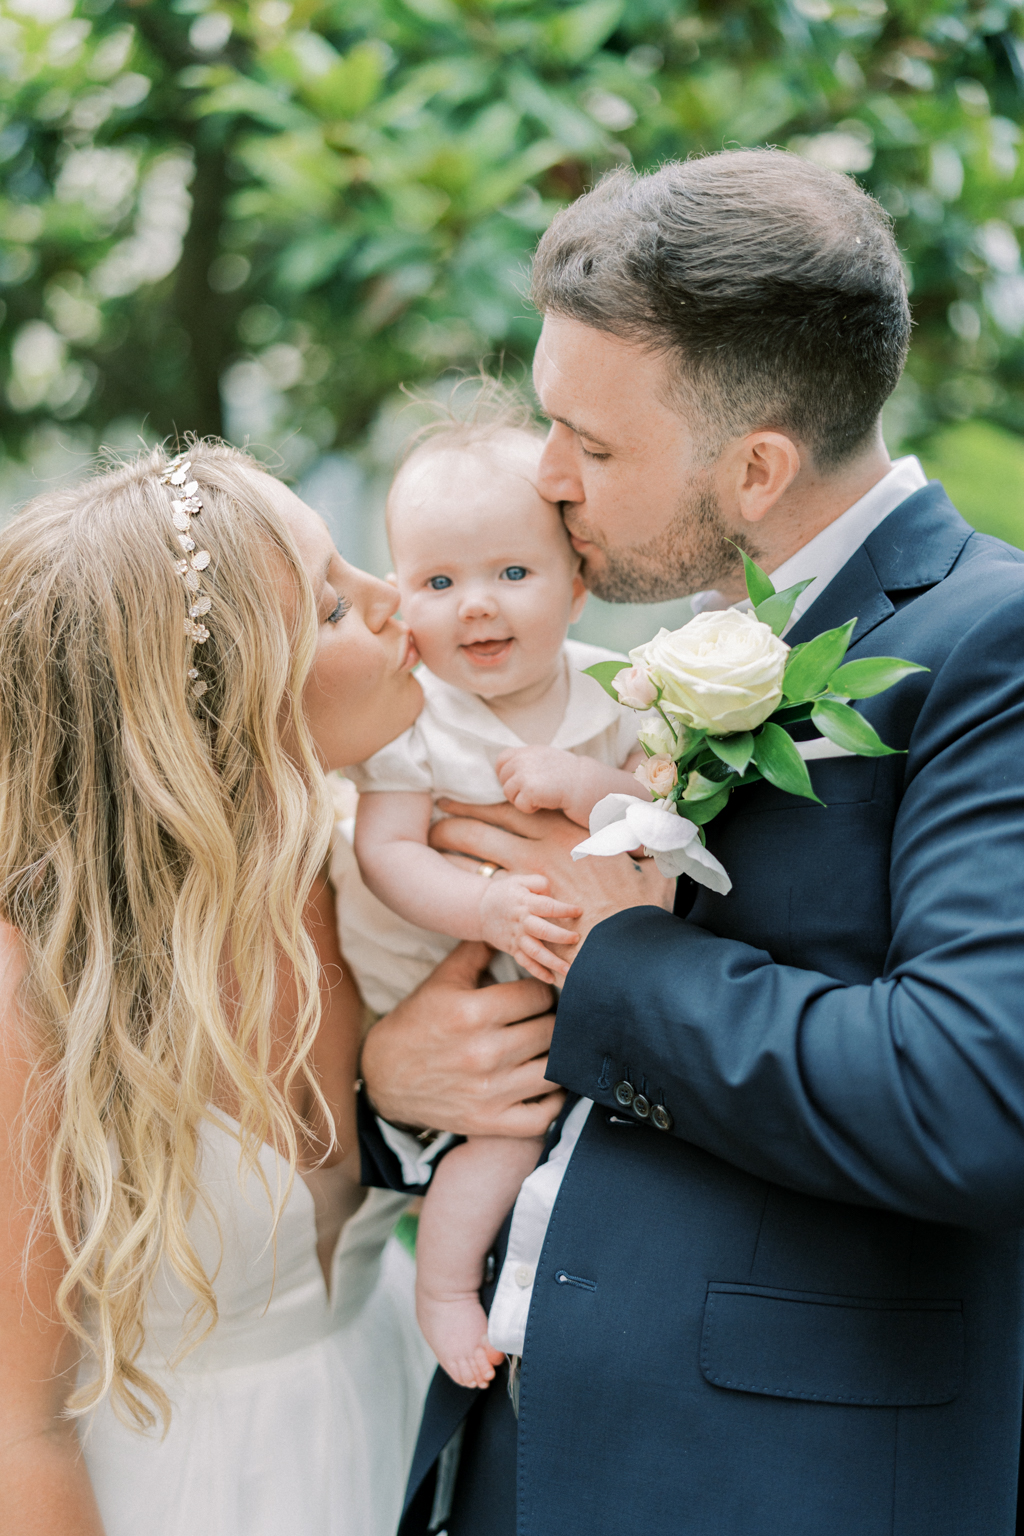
(410, 656)
(487, 652)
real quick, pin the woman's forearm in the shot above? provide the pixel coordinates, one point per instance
(44, 1485)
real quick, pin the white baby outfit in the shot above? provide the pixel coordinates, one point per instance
(451, 752)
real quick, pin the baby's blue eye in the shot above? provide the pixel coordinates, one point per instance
(439, 583)
(515, 572)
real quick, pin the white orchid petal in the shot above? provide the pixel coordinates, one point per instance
(612, 808)
(696, 862)
(619, 823)
(618, 837)
(657, 826)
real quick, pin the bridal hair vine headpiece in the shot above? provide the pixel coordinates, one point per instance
(185, 505)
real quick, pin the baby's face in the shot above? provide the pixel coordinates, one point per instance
(487, 576)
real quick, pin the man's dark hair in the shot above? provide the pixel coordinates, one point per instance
(773, 285)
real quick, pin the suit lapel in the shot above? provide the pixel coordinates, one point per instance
(915, 547)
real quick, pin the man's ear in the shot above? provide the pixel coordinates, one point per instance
(579, 598)
(757, 470)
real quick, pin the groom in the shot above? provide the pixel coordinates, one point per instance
(777, 1290)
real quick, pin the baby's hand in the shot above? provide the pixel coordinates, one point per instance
(513, 910)
(538, 778)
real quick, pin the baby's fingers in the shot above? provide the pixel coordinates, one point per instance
(547, 906)
(533, 957)
(521, 798)
(538, 929)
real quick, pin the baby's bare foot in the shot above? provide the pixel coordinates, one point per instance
(456, 1330)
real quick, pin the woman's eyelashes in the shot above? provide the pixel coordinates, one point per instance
(339, 611)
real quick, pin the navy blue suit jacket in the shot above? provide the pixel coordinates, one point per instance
(805, 1299)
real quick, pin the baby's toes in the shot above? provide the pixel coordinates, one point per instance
(483, 1364)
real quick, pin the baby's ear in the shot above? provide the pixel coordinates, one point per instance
(579, 598)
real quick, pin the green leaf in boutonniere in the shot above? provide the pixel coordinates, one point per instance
(781, 763)
(846, 728)
(810, 667)
(605, 673)
(697, 787)
(775, 610)
(701, 811)
(873, 674)
(759, 583)
(735, 750)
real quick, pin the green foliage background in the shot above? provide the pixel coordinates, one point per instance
(261, 219)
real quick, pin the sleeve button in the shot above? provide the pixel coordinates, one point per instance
(641, 1106)
(661, 1118)
(624, 1094)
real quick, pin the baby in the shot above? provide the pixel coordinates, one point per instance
(489, 585)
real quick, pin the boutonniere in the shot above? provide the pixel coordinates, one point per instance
(720, 696)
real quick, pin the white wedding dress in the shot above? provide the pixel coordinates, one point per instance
(297, 1415)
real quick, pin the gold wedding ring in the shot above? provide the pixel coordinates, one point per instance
(487, 870)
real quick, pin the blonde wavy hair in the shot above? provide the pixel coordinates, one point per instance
(142, 831)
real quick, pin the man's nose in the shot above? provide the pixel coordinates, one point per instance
(558, 477)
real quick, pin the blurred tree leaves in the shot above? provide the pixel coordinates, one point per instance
(260, 218)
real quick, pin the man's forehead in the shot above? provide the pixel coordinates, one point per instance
(589, 378)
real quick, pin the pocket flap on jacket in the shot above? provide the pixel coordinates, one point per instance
(874, 1351)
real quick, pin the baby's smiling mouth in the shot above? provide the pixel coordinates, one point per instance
(488, 652)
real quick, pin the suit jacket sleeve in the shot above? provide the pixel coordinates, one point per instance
(906, 1092)
(380, 1167)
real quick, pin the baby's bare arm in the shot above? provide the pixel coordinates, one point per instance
(512, 912)
(548, 779)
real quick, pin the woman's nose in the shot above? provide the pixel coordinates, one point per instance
(382, 603)
(558, 477)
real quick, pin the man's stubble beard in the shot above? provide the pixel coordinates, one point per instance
(691, 555)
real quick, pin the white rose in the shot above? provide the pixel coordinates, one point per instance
(721, 672)
(658, 774)
(635, 688)
(657, 737)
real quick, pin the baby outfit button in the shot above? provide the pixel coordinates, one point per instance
(523, 1276)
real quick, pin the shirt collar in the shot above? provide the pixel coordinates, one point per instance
(824, 556)
(588, 711)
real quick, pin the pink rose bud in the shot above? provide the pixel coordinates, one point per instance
(634, 688)
(658, 774)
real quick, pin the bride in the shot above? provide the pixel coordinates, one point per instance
(204, 1327)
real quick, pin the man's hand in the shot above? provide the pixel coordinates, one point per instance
(458, 1056)
(541, 844)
